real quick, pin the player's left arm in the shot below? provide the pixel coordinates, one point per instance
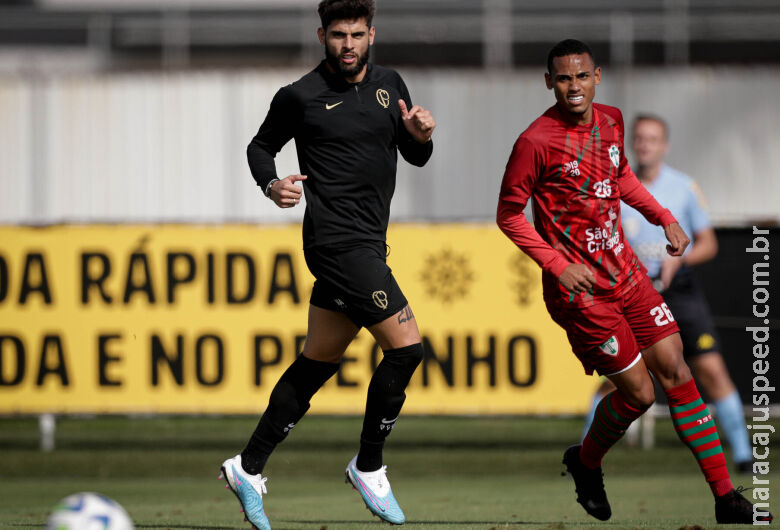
(415, 129)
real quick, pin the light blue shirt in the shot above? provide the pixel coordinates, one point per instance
(678, 192)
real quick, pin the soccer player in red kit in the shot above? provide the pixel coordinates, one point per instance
(571, 163)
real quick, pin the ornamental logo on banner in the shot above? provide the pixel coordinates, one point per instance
(614, 155)
(610, 347)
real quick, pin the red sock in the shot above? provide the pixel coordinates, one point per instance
(612, 418)
(694, 425)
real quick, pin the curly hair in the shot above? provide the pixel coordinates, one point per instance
(330, 10)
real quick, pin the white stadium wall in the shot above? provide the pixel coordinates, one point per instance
(171, 147)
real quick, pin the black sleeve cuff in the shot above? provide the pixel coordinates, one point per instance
(262, 165)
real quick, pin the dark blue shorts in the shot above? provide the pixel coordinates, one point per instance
(689, 307)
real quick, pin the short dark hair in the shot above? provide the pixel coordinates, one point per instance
(652, 117)
(568, 47)
(330, 10)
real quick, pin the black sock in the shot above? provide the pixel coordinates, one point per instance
(288, 403)
(385, 398)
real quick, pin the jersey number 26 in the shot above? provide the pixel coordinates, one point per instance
(662, 315)
(602, 189)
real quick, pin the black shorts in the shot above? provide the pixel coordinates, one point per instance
(689, 307)
(356, 281)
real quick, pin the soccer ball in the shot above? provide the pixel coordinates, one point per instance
(88, 511)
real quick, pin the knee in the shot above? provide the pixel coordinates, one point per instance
(643, 398)
(332, 356)
(674, 375)
(708, 382)
(640, 395)
(396, 369)
(406, 358)
(712, 374)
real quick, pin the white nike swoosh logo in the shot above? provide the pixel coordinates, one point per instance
(328, 107)
(386, 421)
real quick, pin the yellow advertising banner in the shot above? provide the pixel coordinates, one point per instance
(204, 319)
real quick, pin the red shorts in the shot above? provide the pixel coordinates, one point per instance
(608, 337)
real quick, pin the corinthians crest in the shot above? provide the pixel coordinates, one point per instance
(380, 299)
(383, 97)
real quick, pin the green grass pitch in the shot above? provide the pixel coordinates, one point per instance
(447, 473)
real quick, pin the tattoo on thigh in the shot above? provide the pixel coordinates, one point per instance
(405, 315)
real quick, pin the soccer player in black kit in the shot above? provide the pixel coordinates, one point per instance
(349, 119)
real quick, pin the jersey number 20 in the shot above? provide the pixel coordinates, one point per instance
(662, 315)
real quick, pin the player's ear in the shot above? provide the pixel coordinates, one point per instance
(548, 80)
(321, 35)
(597, 76)
(371, 33)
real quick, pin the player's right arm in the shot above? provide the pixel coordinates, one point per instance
(284, 116)
(525, 165)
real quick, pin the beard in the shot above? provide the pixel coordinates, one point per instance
(344, 69)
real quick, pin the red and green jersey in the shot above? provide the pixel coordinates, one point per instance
(576, 176)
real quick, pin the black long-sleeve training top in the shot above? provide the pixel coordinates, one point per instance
(347, 137)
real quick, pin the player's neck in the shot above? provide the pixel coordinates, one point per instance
(357, 78)
(648, 174)
(586, 118)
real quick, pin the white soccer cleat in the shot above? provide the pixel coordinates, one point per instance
(249, 489)
(375, 490)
